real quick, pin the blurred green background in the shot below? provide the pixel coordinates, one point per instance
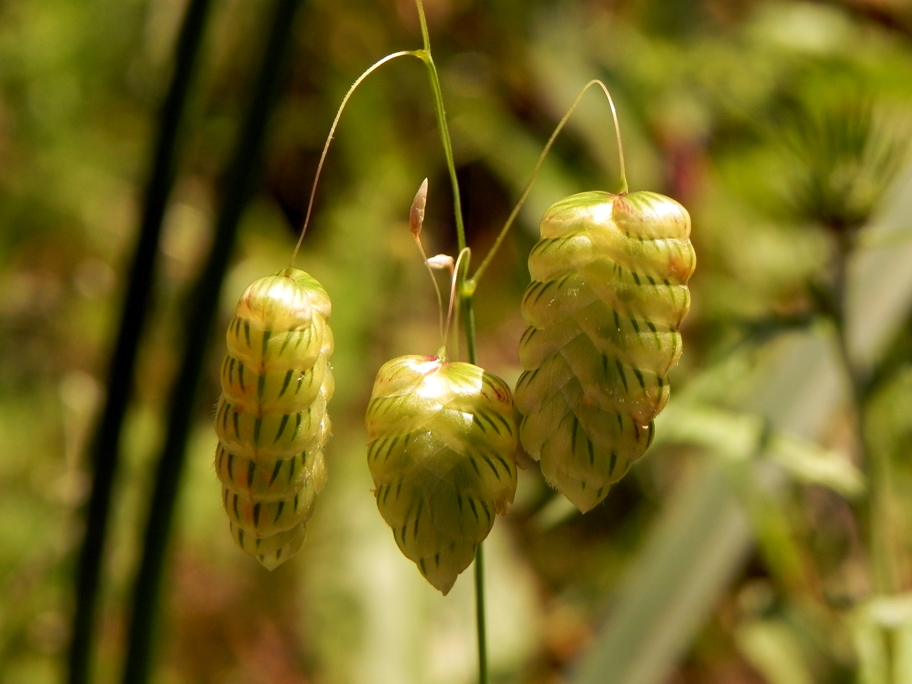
(737, 551)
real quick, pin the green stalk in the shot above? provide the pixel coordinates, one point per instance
(105, 449)
(468, 315)
(428, 60)
(480, 617)
(466, 285)
(473, 281)
(203, 306)
(329, 138)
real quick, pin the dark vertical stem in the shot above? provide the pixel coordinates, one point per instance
(201, 313)
(105, 445)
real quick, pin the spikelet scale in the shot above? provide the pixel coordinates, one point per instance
(271, 419)
(441, 453)
(608, 293)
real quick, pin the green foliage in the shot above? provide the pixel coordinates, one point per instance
(842, 163)
(736, 550)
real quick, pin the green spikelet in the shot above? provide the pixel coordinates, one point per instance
(608, 292)
(441, 452)
(271, 419)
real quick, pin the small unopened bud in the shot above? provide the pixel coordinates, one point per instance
(416, 214)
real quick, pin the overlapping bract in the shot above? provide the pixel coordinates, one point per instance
(271, 419)
(608, 293)
(442, 441)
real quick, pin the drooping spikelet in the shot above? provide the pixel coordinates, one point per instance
(271, 419)
(608, 293)
(441, 452)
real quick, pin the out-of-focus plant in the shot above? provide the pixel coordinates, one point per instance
(760, 539)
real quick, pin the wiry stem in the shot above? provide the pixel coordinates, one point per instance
(473, 281)
(480, 617)
(332, 130)
(465, 296)
(428, 60)
(457, 269)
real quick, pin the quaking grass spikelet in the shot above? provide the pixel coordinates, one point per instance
(441, 446)
(608, 293)
(441, 443)
(271, 419)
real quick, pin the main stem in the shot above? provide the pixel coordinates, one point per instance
(428, 60)
(468, 315)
